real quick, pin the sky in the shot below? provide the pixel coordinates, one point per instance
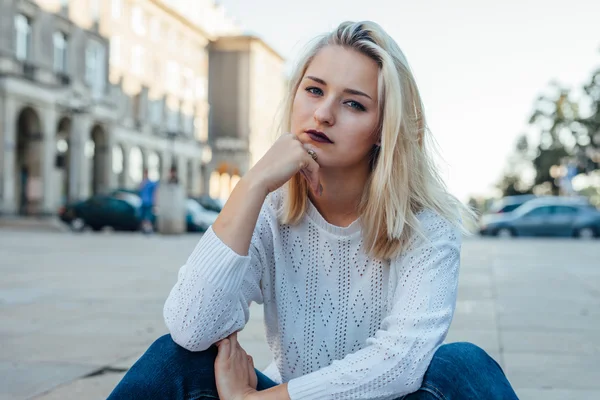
(479, 65)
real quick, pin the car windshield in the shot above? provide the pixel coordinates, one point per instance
(195, 208)
(132, 199)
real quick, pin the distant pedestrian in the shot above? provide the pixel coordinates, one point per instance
(173, 178)
(147, 192)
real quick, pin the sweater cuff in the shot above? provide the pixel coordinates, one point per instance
(308, 387)
(218, 263)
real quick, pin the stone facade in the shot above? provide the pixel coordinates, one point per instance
(247, 87)
(92, 92)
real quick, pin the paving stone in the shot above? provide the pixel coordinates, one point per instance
(552, 371)
(557, 394)
(23, 380)
(92, 388)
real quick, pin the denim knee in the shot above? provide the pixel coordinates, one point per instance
(464, 371)
(466, 354)
(168, 354)
(167, 370)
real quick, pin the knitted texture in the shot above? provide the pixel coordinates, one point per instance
(340, 324)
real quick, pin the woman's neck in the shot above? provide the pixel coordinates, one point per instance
(342, 193)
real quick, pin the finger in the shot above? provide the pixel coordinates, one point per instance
(223, 349)
(234, 342)
(312, 170)
(251, 361)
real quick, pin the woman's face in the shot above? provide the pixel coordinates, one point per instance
(335, 107)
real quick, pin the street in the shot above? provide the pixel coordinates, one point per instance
(78, 309)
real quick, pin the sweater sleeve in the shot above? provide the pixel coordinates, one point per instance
(215, 288)
(424, 280)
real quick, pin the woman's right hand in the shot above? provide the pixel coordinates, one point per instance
(283, 160)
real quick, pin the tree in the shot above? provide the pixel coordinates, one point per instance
(554, 116)
(564, 132)
(590, 152)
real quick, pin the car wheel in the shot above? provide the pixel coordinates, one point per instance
(77, 224)
(505, 233)
(586, 233)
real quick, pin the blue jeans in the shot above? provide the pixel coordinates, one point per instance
(458, 371)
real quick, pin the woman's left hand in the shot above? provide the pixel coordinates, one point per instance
(234, 370)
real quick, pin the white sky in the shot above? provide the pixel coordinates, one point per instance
(479, 64)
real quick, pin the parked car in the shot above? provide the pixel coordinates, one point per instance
(509, 203)
(209, 203)
(120, 211)
(546, 216)
(198, 218)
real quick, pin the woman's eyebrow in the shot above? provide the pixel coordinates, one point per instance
(349, 91)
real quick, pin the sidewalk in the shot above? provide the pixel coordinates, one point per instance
(33, 224)
(78, 309)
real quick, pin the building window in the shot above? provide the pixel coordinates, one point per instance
(95, 68)
(115, 50)
(172, 76)
(59, 40)
(188, 83)
(155, 29)
(156, 112)
(116, 9)
(137, 21)
(172, 120)
(95, 10)
(199, 129)
(200, 88)
(22, 37)
(137, 60)
(172, 37)
(188, 124)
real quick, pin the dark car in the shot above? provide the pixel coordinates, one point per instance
(545, 217)
(120, 212)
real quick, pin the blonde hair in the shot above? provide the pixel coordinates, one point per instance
(403, 179)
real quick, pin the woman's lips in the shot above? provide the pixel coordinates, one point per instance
(318, 136)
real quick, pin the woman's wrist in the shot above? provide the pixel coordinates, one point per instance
(254, 185)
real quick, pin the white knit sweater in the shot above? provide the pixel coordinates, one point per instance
(340, 325)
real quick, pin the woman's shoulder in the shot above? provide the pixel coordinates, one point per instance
(272, 208)
(433, 225)
(273, 204)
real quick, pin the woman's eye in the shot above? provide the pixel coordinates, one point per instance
(356, 105)
(314, 90)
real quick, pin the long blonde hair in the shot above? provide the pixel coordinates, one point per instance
(404, 179)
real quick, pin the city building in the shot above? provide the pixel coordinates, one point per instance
(245, 93)
(127, 82)
(55, 112)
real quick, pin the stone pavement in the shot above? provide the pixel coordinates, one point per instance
(77, 310)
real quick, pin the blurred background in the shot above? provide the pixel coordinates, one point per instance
(142, 115)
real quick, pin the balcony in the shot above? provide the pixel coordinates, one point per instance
(63, 78)
(29, 70)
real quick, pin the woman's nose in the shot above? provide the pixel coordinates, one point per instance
(324, 114)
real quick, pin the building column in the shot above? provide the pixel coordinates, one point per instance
(127, 181)
(79, 163)
(50, 178)
(182, 172)
(196, 178)
(9, 149)
(167, 158)
(111, 179)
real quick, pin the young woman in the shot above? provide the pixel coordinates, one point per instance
(346, 235)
